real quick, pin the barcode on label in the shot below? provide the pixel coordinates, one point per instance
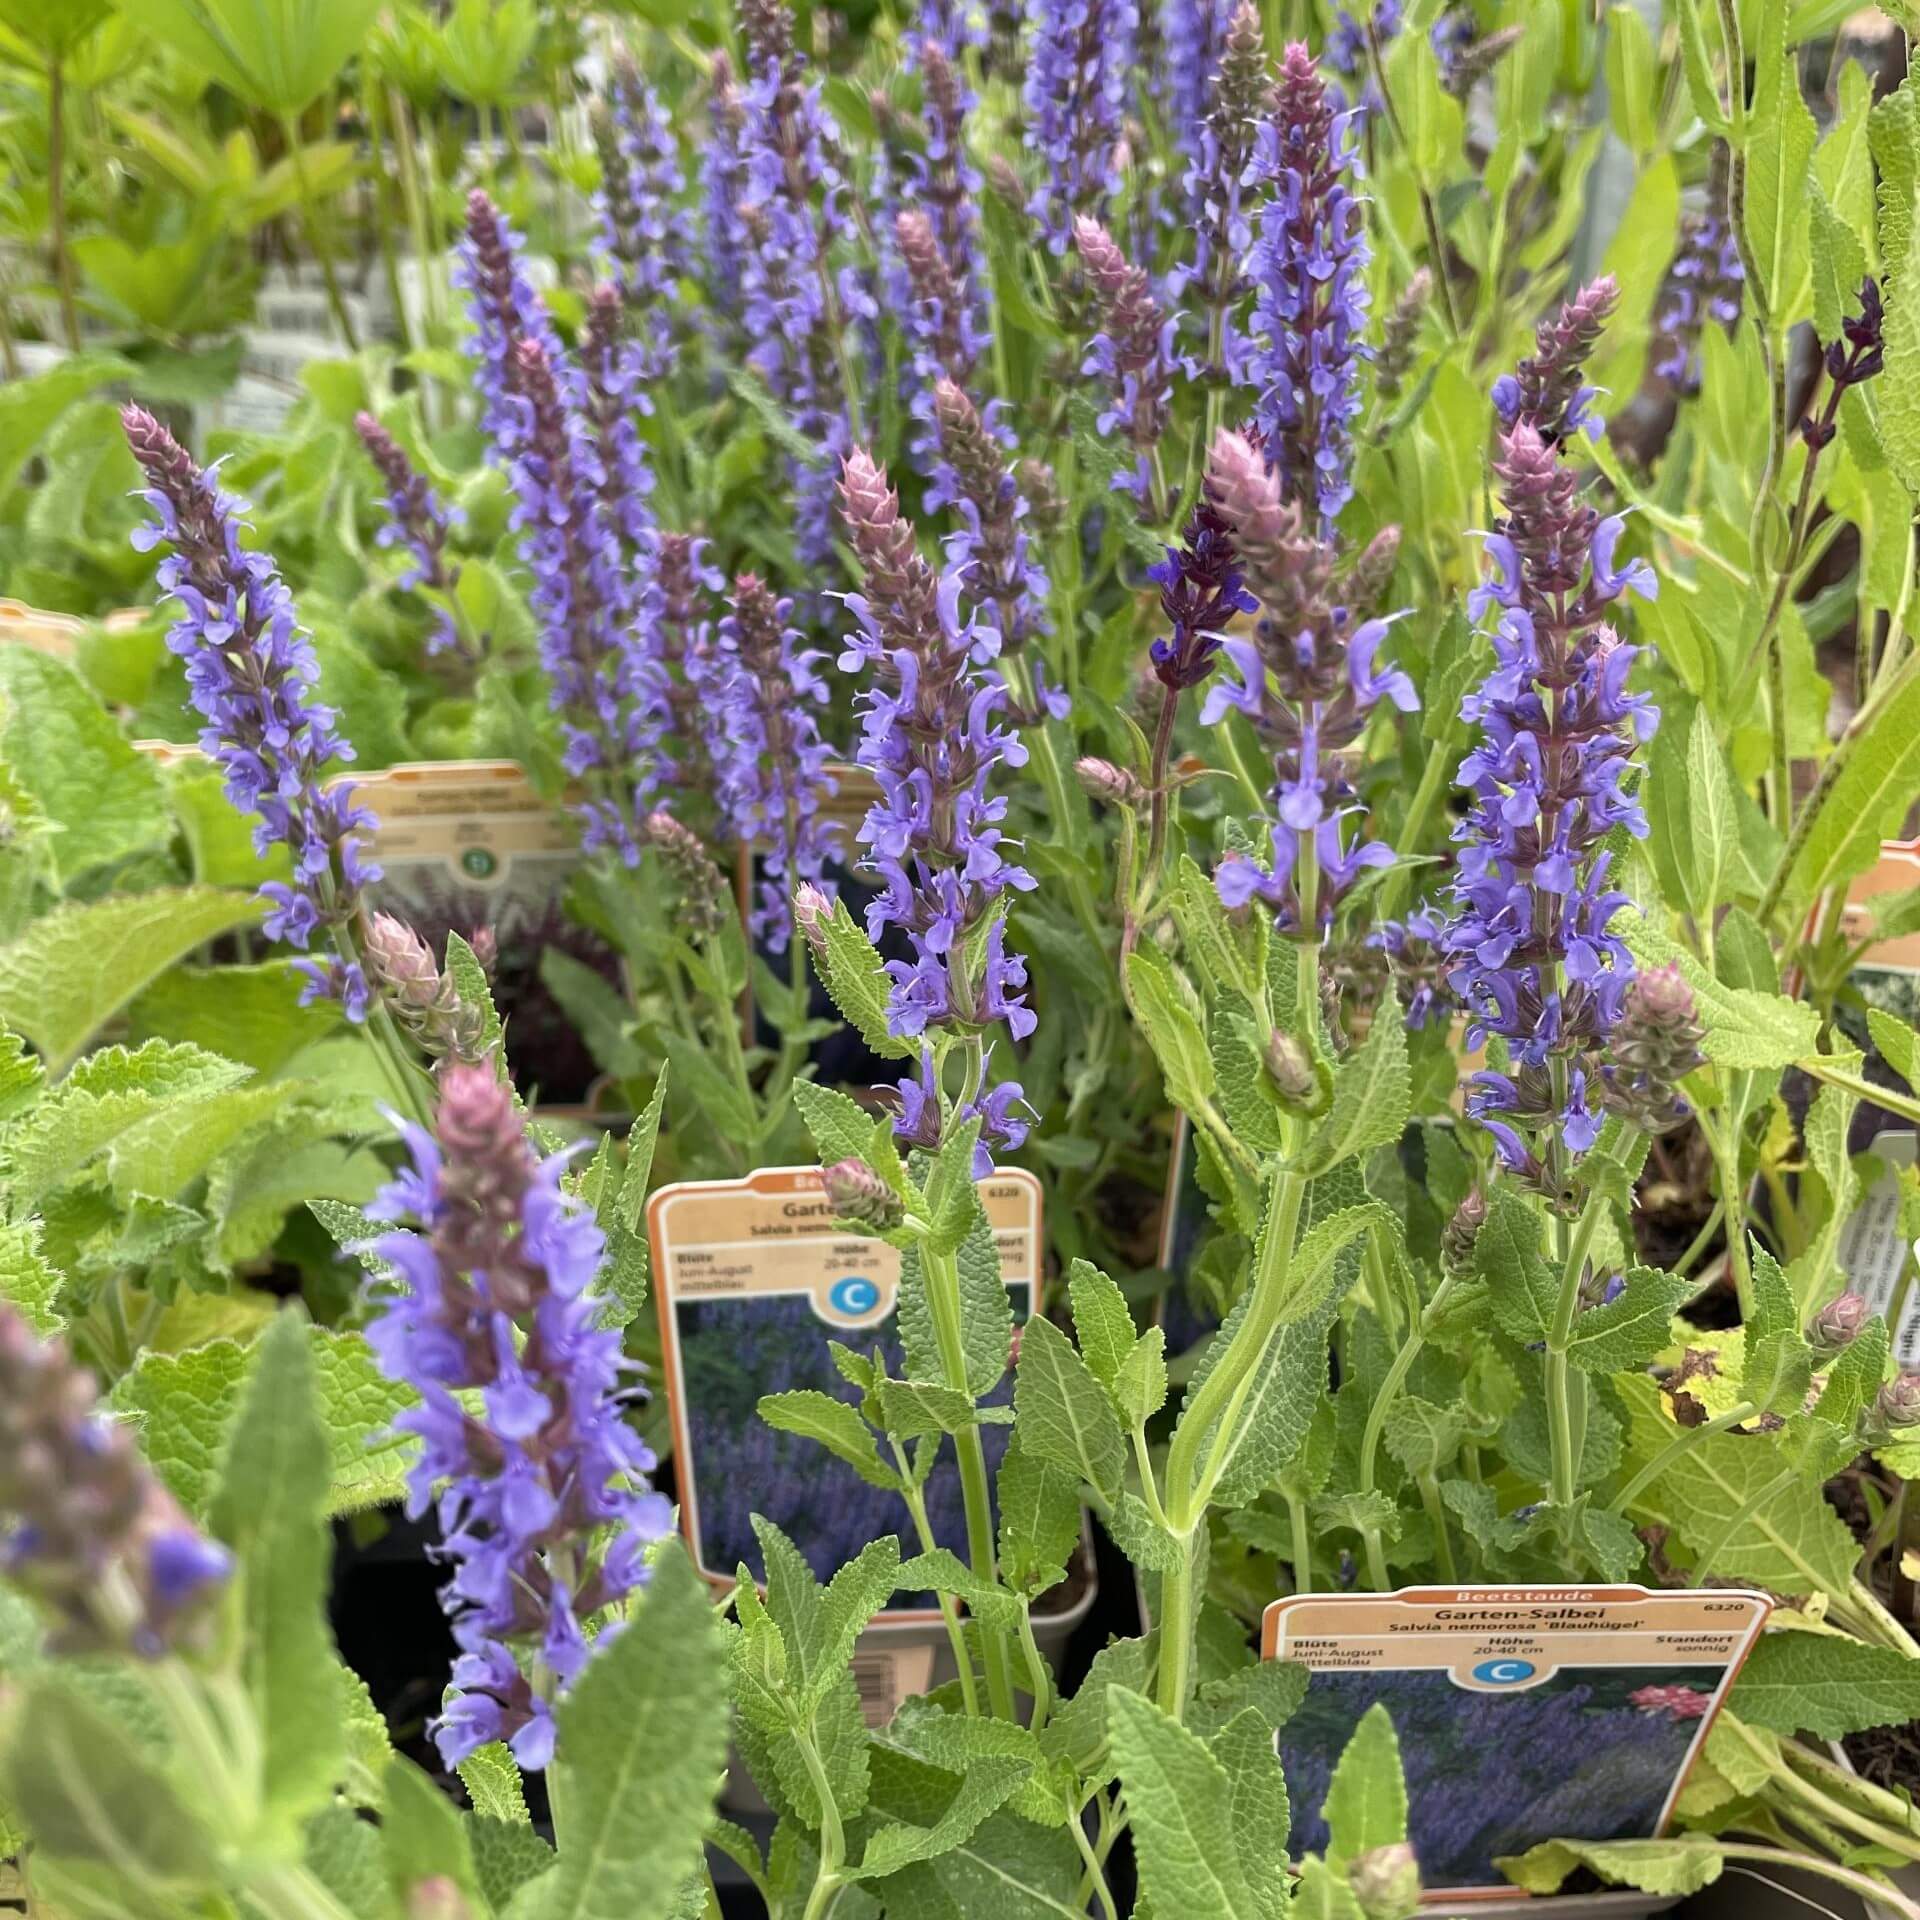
(876, 1679)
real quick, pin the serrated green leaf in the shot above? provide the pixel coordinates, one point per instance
(251, 1014)
(1039, 1518)
(423, 1836)
(1780, 145)
(644, 1733)
(836, 1425)
(851, 971)
(1826, 1684)
(1632, 1329)
(27, 1283)
(1064, 1417)
(1676, 1866)
(1179, 1798)
(1171, 1022)
(1102, 1321)
(1372, 1094)
(983, 1788)
(1522, 1287)
(1366, 1804)
(1140, 1390)
(1257, 1807)
(491, 1776)
(268, 1507)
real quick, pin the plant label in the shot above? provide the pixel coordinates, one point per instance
(752, 1279)
(1524, 1714)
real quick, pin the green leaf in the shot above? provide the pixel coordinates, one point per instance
(1039, 1518)
(1867, 799)
(1257, 1806)
(269, 1507)
(1179, 1799)
(27, 1283)
(1366, 1805)
(73, 970)
(1780, 145)
(491, 1776)
(1745, 1030)
(986, 1314)
(277, 55)
(982, 1790)
(851, 971)
(251, 1014)
(1140, 1390)
(1712, 818)
(1422, 1437)
(1677, 1866)
(1633, 1329)
(507, 1855)
(29, 407)
(1522, 1287)
(1171, 1022)
(88, 1794)
(836, 1425)
(1630, 71)
(1826, 1684)
(1063, 1416)
(469, 979)
(1372, 1094)
(1102, 1321)
(423, 1836)
(644, 1736)
(1702, 89)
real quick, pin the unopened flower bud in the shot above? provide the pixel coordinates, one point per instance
(1655, 1045)
(1473, 63)
(1102, 780)
(1040, 488)
(1372, 572)
(811, 912)
(1897, 1405)
(438, 1898)
(858, 1193)
(1004, 179)
(485, 946)
(1837, 1325)
(1386, 1881)
(1457, 1237)
(704, 899)
(1290, 1068)
(1398, 334)
(399, 961)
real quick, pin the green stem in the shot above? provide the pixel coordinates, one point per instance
(942, 1277)
(1879, 1891)
(1178, 1615)
(1560, 1337)
(291, 1893)
(57, 199)
(949, 1613)
(1436, 247)
(833, 1841)
(1437, 1519)
(1302, 1544)
(1037, 1671)
(1095, 1877)
(1677, 1449)
(310, 222)
(1726, 1160)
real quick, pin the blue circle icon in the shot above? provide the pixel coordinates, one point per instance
(1503, 1673)
(855, 1295)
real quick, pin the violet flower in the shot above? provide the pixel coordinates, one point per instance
(723, 191)
(85, 1528)
(598, 638)
(1310, 273)
(998, 562)
(543, 1502)
(1308, 678)
(1218, 182)
(642, 232)
(250, 675)
(505, 309)
(1078, 69)
(1132, 355)
(416, 520)
(613, 367)
(772, 763)
(795, 310)
(934, 838)
(945, 180)
(1201, 590)
(1534, 962)
(1195, 33)
(1546, 389)
(687, 581)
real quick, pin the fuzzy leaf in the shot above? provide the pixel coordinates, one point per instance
(1825, 1684)
(1063, 1415)
(1372, 1094)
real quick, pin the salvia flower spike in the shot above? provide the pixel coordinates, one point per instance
(1132, 355)
(1310, 276)
(417, 520)
(771, 762)
(85, 1528)
(930, 737)
(544, 1506)
(250, 674)
(642, 231)
(1534, 960)
(1306, 678)
(1077, 77)
(1547, 389)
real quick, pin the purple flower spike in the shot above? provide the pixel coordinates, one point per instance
(615, 384)
(1306, 679)
(641, 231)
(1201, 590)
(250, 674)
(1546, 388)
(931, 738)
(1078, 72)
(599, 638)
(795, 308)
(1132, 355)
(85, 1528)
(1705, 283)
(1310, 272)
(767, 751)
(723, 192)
(505, 309)
(544, 1506)
(415, 519)
(1532, 958)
